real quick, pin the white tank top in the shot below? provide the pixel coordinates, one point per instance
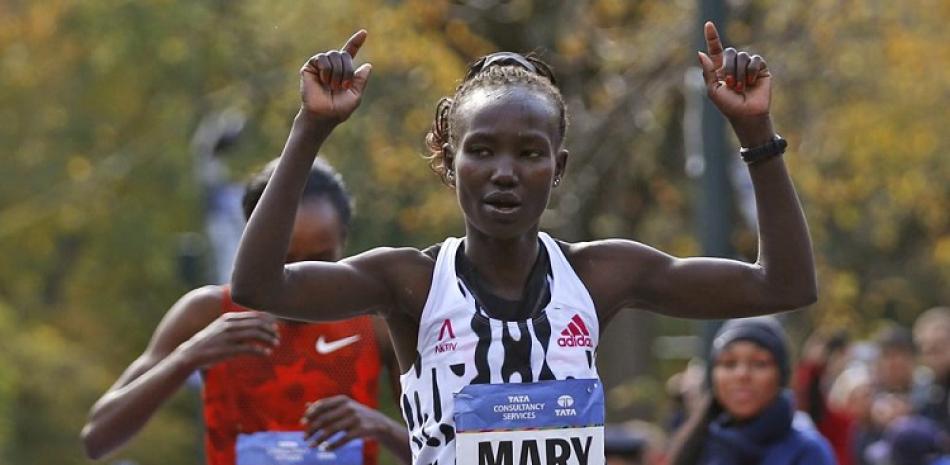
(459, 346)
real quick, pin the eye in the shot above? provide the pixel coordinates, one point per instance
(760, 364)
(727, 363)
(480, 151)
(532, 154)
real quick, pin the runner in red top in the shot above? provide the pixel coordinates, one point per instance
(313, 361)
(270, 385)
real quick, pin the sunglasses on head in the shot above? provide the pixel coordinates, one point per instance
(511, 59)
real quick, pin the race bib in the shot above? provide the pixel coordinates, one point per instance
(290, 448)
(544, 423)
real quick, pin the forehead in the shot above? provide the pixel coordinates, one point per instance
(318, 216)
(510, 110)
(743, 347)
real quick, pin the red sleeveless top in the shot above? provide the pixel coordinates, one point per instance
(313, 361)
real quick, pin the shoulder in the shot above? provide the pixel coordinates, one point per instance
(393, 255)
(391, 262)
(211, 294)
(614, 270)
(191, 313)
(395, 264)
(609, 250)
(405, 271)
(202, 303)
(812, 447)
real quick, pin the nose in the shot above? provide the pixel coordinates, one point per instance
(742, 370)
(504, 173)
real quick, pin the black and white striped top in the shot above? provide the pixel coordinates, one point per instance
(459, 345)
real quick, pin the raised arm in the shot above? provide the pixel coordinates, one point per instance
(330, 91)
(783, 277)
(193, 334)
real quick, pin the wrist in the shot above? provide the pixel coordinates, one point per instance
(377, 427)
(314, 123)
(183, 360)
(753, 131)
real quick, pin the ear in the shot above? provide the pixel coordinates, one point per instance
(560, 166)
(448, 159)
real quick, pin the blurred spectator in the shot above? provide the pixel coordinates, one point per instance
(889, 407)
(748, 415)
(911, 440)
(634, 443)
(622, 447)
(825, 355)
(894, 370)
(932, 335)
(853, 394)
(686, 391)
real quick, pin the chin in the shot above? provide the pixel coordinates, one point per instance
(499, 229)
(744, 415)
(745, 411)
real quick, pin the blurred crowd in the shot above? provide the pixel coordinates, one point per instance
(877, 401)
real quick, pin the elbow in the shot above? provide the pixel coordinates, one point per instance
(807, 293)
(811, 297)
(802, 301)
(244, 295)
(253, 297)
(799, 297)
(248, 294)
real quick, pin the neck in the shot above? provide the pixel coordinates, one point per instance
(504, 264)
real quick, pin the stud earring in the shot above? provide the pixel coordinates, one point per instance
(557, 182)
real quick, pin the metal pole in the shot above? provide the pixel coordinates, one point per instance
(224, 221)
(221, 214)
(714, 203)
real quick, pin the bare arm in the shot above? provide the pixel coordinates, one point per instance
(782, 278)
(331, 90)
(191, 335)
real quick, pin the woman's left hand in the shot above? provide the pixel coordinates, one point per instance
(738, 83)
(326, 418)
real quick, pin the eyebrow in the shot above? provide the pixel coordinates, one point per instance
(532, 136)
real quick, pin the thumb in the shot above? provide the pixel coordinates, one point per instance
(709, 69)
(360, 76)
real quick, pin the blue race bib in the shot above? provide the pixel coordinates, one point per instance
(544, 423)
(289, 448)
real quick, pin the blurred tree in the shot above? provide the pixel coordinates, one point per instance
(863, 90)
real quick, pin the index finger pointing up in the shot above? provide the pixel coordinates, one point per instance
(353, 45)
(713, 45)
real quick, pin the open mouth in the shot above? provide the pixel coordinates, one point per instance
(502, 201)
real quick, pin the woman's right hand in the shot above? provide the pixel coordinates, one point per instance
(330, 88)
(230, 335)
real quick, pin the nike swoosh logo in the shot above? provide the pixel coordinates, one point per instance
(324, 347)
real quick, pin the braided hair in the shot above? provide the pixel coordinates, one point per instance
(489, 72)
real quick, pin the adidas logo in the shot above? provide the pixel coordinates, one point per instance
(575, 334)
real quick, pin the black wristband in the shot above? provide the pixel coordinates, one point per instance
(772, 148)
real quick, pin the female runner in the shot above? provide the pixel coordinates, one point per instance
(496, 332)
